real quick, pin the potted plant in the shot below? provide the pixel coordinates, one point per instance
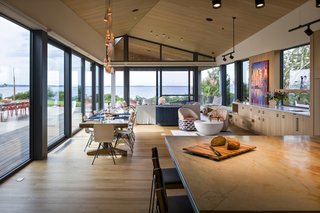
(275, 98)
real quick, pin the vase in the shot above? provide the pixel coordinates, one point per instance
(272, 103)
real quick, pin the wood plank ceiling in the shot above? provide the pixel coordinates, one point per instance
(182, 23)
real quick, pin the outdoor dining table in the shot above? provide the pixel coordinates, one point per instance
(281, 174)
(116, 123)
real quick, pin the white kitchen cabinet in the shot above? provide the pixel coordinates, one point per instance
(302, 125)
(272, 122)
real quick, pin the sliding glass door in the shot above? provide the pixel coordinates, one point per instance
(14, 96)
(76, 113)
(55, 94)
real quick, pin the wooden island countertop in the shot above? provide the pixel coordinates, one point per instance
(283, 173)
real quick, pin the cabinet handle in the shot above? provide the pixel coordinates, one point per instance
(283, 116)
(297, 124)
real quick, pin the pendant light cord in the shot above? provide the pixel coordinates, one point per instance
(233, 31)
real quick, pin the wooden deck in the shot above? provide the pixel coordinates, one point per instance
(67, 182)
(14, 149)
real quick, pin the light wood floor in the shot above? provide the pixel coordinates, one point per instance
(67, 182)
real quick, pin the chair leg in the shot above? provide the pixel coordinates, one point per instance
(88, 143)
(152, 194)
(97, 152)
(116, 143)
(112, 153)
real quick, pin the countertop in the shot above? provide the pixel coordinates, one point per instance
(283, 173)
(293, 110)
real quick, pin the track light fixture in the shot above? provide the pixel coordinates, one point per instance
(259, 3)
(232, 52)
(317, 3)
(216, 4)
(308, 31)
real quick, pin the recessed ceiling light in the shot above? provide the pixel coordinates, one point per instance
(209, 19)
(216, 4)
(151, 32)
(163, 35)
(181, 39)
(135, 10)
(259, 3)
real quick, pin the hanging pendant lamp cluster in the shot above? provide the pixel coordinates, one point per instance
(109, 38)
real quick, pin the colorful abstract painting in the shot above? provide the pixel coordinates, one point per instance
(259, 82)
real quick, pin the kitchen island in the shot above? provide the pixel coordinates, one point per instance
(282, 173)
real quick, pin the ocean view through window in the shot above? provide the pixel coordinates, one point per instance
(14, 96)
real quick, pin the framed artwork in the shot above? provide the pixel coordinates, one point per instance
(259, 82)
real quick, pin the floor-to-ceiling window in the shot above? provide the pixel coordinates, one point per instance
(175, 85)
(88, 88)
(76, 92)
(14, 95)
(97, 97)
(245, 80)
(119, 75)
(55, 94)
(143, 88)
(230, 84)
(210, 84)
(296, 75)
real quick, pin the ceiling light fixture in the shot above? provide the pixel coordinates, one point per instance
(209, 19)
(317, 3)
(109, 38)
(233, 50)
(259, 3)
(308, 31)
(216, 4)
(135, 10)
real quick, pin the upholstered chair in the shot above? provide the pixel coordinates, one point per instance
(186, 119)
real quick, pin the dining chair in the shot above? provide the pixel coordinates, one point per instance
(170, 176)
(128, 133)
(90, 132)
(104, 135)
(168, 204)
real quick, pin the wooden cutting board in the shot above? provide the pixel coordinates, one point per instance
(205, 151)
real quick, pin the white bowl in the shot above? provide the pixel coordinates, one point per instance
(208, 127)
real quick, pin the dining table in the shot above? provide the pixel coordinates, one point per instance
(280, 174)
(114, 123)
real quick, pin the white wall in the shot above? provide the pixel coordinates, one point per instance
(276, 35)
(59, 21)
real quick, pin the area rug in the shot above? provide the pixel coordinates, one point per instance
(195, 133)
(184, 133)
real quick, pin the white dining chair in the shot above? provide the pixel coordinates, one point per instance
(104, 135)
